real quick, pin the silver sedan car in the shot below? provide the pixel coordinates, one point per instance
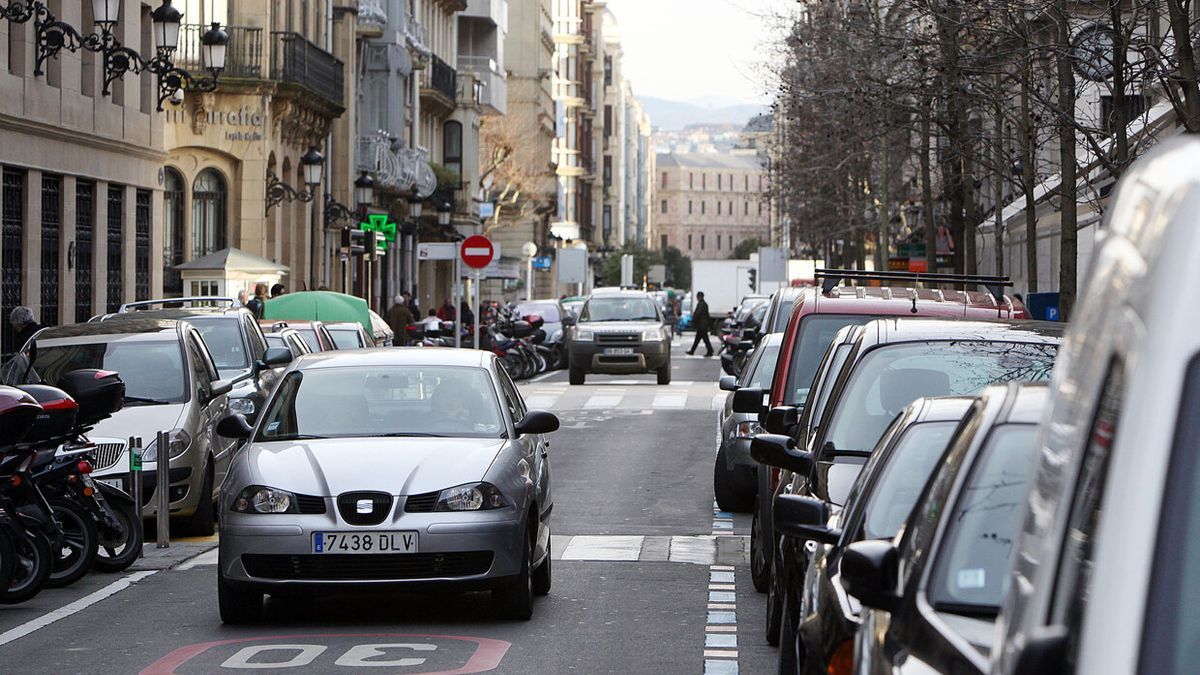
(388, 469)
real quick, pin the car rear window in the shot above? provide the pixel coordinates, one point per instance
(223, 337)
(814, 333)
(901, 481)
(781, 318)
(344, 338)
(153, 371)
(310, 336)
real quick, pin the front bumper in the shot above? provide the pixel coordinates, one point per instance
(646, 357)
(272, 553)
(185, 478)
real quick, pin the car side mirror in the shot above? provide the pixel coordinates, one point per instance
(537, 422)
(780, 451)
(234, 426)
(217, 388)
(749, 400)
(781, 419)
(804, 518)
(1044, 653)
(870, 572)
(274, 356)
(727, 383)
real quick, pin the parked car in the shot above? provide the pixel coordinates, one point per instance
(956, 551)
(619, 332)
(892, 363)
(1104, 580)
(734, 471)
(388, 469)
(876, 507)
(818, 312)
(350, 335)
(171, 385)
(289, 339)
(234, 339)
(314, 332)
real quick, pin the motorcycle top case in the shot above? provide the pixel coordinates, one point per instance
(18, 410)
(99, 393)
(59, 412)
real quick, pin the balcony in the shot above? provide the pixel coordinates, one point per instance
(439, 86)
(243, 56)
(295, 60)
(416, 36)
(372, 18)
(494, 97)
(493, 11)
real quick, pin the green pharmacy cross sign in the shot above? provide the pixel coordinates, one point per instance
(378, 222)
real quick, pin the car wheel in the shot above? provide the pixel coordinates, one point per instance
(237, 606)
(664, 373)
(74, 556)
(775, 600)
(726, 489)
(541, 575)
(201, 523)
(516, 600)
(788, 663)
(576, 375)
(760, 565)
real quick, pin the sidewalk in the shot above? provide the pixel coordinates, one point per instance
(181, 550)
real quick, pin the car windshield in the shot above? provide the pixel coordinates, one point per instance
(815, 332)
(346, 338)
(974, 559)
(901, 481)
(153, 371)
(781, 321)
(619, 308)
(764, 369)
(547, 310)
(383, 401)
(890, 377)
(223, 337)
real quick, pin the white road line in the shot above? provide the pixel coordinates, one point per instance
(543, 376)
(546, 402)
(72, 608)
(698, 549)
(670, 401)
(602, 401)
(606, 547)
(204, 559)
(718, 401)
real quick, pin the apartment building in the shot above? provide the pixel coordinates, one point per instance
(708, 203)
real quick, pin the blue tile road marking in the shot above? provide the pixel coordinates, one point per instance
(722, 618)
(722, 596)
(719, 667)
(720, 640)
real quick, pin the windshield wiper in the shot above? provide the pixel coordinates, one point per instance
(407, 434)
(297, 437)
(144, 400)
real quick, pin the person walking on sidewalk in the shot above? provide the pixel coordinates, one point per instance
(702, 322)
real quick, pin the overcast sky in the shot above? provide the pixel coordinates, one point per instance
(711, 51)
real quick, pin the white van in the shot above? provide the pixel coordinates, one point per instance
(1107, 572)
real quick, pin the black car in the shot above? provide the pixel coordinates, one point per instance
(892, 363)
(877, 507)
(235, 340)
(931, 596)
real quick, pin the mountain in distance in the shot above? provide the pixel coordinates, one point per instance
(674, 115)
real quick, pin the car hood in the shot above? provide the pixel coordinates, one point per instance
(397, 466)
(140, 420)
(618, 326)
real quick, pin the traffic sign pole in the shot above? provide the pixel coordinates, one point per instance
(477, 251)
(475, 307)
(458, 300)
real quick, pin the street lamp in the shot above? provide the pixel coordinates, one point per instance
(444, 210)
(364, 190)
(213, 46)
(107, 13)
(166, 20)
(311, 164)
(414, 206)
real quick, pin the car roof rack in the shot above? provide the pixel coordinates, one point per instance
(176, 303)
(830, 278)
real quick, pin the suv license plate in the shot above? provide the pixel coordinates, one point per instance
(364, 542)
(618, 351)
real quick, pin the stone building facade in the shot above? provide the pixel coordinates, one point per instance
(708, 203)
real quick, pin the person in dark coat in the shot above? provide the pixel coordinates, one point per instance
(702, 322)
(24, 326)
(399, 318)
(258, 303)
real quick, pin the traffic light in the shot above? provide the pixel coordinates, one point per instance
(353, 241)
(753, 279)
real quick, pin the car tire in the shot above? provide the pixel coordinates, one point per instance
(775, 599)
(576, 375)
(202, 523)
(80, 539)
(237, 607)
(725, 487)
(789, 664)
(515, 601)
(541, 575)
(760, 562)
(664, 373)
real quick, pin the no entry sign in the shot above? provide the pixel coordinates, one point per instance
(477, 251)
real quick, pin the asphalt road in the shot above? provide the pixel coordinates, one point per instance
(647, 576)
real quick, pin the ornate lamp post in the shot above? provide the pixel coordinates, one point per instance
(312, 163)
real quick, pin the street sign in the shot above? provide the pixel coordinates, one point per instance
(487, 210)
(572, 265)
(436, 251)
(542, 262)
(477, 251)
(772, 264)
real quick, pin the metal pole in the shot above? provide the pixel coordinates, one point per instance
(457, 286)
(529, 279)
(162, 489)
(475, 307)
(135, 487)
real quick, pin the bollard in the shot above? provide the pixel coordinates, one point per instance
(162, 490)
(135, 488)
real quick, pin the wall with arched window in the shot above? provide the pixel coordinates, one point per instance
(174, 228)
(210, 213)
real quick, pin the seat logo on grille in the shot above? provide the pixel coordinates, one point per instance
(364, 506)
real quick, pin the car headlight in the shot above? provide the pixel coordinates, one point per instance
(748, 429)
(471, 497)
(652, 335)
(585, 335)
(178, 442)
(261, 499)
(241, 406)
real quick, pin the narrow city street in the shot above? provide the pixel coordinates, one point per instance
(647, 576)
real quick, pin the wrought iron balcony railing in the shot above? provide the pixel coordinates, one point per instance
(298, 61)
(243, 55)
(443, 78)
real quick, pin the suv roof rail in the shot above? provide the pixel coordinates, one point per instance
(830, 278)
(195, 301)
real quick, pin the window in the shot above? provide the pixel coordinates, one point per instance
(663, 206)
(173, 199)
(452, 152)
(209, 213)
(664, 180)
(703, 181)
(51, 236)
(718, 208)
(114, 248)
(152, 369)
(85, 214)
(608, 70)
(902, 478)
(205, 288)
(607, 170)
(691, 181)
(141, 245)
(731, 208)
(702, 207)
(607, 222)
(731, 181)
(760, 208)
(608, 121)
(718, 181)
(1135, 107)
(689, 207)
(689, 242)
(731, 248)
(745, 208)
(746, 183)
(718, 238)
(701, 242)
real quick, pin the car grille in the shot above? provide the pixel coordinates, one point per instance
(381, 506)
(421, 503)
(107, 455)
(618, 339)
(368, 567)
(310, 505)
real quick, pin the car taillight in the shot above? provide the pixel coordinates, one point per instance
(842, 661)
(84, 466)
